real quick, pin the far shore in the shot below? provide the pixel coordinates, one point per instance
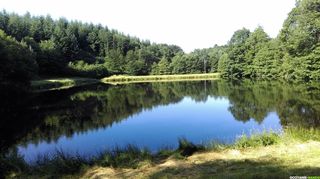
(69, 82)
(123, 79)
(60, 83)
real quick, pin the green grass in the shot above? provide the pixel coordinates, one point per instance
(294, 152)
(128, 157)
(271, 153)
(62, 164)
(301, 134)
(119, 79)
(257, 140)
(64, 83)
(60, 83)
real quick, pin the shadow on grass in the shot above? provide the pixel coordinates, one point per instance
(50, 84)
(236, 169)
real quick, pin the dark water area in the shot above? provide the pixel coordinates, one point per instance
(91, 119)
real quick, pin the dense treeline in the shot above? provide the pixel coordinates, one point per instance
(63, 48)
(293, 55)
(72, 48)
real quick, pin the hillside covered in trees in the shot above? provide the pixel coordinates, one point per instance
(38, 46)
(293, 55)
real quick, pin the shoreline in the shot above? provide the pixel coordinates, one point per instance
(260, 162)
(70, 82)
(60, 83)
(124, 79)
(264, 155)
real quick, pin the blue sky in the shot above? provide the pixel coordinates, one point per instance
(190, 24)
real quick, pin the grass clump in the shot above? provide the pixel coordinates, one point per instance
(60, 163)
(301, 134)
(257, 140)
(14, 165)
(168, 152)
(128, 157)
(187, 148)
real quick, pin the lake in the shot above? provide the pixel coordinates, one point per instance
(91, 119)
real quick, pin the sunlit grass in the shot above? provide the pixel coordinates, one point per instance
(257, 140)
(301, 134)
(63, 83)
(118, 79)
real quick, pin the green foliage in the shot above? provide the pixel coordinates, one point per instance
(179, 64)
(49, 58)
(223, 65)
(255, 42)
(115, 62)
(304, 68)
(17, 63)
(162, 68)
(293, 55)
(239, 37)
(267, 61)
(238, 60)
(57, 45)
(81, 68)
(134, 64)
(236, 55)
(215, 54)
(301, 29)
(199, 61)
(136, 67)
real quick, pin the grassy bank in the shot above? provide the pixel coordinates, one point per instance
(64, 83)
(120, 79)
(60, 83)
(264, 155)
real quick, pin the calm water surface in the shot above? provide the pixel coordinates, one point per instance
(154, 115)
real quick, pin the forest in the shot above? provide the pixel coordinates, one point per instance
(33, 47)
